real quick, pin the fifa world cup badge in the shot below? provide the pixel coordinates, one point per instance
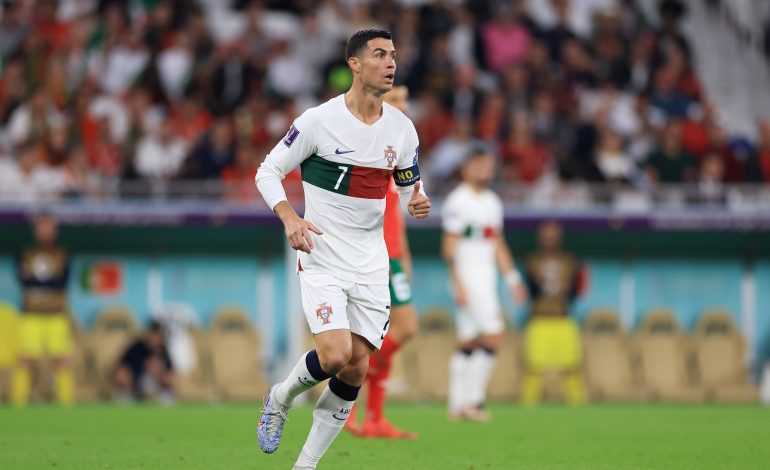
(324, 312)
(390, 156)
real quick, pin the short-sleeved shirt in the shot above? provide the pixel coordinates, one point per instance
(347, 166)
(477, 217)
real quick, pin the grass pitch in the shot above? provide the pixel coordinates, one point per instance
(211, 437)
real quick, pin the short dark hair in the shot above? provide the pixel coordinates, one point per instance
(359, 39)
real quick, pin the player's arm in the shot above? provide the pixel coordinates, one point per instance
(511, 275)
(286, 156)
(411, 193)
(449, 243)
(454, 223)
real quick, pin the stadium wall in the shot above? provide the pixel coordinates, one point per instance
(206, 267)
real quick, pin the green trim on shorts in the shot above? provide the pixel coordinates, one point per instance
(398, 283)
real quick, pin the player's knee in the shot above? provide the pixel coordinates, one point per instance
(334, 360)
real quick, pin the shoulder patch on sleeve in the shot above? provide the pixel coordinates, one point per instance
(291, 136)
(407, 176)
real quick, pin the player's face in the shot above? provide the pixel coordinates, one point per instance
(377, 64)
(398, 97)
(480, 170)
(45, 230)
(550, 235)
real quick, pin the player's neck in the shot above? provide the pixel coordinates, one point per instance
(365, 106)
(476, 188)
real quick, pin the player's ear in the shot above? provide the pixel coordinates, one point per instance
(354, 64)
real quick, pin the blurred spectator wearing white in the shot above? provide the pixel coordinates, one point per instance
(159, 155)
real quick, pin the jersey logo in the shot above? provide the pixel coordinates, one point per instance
(407, 177)
(390, 156)
(341, 152)
(416, 155)
(291, 136)
(324, 312)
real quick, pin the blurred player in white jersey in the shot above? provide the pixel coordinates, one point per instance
(349, 148)
(474, 249)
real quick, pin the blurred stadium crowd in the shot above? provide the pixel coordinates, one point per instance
(99, 96)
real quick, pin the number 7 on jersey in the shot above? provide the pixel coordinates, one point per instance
(342, 175)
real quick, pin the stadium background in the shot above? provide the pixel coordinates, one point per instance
(89, 90)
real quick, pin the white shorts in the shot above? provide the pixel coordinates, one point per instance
(330, 303)
(481, 315)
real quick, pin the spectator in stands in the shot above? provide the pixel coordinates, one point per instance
(561, 32)
(238, 177)
(232, 79)
(763, 149)
(12, 29)
(524, 159)
(613, 162)
(670, 163)
(31, 120)
(29, 179)
(80, 179)
(552, 339)
(43, 274)
(214, 152)
(711, 187)
(665, 94)
(506, 39)
(145, 369)
(160, 154)
(450, 152)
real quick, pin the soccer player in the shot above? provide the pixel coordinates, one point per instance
(552, 338)
(43, 272)
(403, 324)
(472, 244)
(348, 149)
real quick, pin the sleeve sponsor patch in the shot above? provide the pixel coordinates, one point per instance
(407, 176)
(416, 155)
(291, 136)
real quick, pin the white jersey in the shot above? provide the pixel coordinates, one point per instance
(346, 169)
(477, 218)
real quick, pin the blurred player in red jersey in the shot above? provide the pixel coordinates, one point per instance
(403, 323)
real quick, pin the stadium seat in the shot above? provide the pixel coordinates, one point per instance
(235, 356)
(9, 322)
(113, 330)
(87, 385)
(664, 360)
(609, 371)
(196, 384)
(434, 345)
(506, 377)
(719, 350)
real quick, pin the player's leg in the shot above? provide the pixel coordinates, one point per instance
(570, 359)
(487, 313)
(536, 360)
(403, 325)
(460, 388)
(324, 303)
(58, 338)
(30, 350)
(333, 407)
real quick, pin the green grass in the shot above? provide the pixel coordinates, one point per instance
(212, 437)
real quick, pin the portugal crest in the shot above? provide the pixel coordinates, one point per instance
(324, 312)
(390, 156)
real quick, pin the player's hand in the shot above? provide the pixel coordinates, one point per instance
(298, 233)
(520, 294)
(459, 292)
(419, 205)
